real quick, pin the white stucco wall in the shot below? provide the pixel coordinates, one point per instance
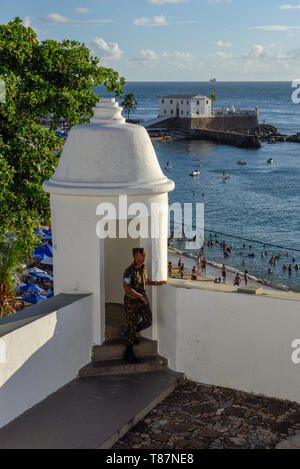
(40, 357)
(188, 107)
(234, 340)
(203, 109)
(86, 264)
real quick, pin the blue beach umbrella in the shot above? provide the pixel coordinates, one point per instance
(33, 298)
(43, 251)
(39, 251)
(48, 250)
(42, 275)
(38, 232)
(31, 287)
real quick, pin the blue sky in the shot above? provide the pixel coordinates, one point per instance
(175, 40)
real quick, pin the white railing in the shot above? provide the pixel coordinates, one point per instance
(230, 112)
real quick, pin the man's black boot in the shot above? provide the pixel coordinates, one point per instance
(129, 355)
(136, 341)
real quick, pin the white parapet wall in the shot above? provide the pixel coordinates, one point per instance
(41, 349)
(231, 339)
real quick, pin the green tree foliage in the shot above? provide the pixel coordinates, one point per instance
(11, 267)
(47, 78)
(129, 104)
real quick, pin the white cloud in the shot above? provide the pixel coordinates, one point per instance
(178, 59)
(83, 10)
(259, 53)
(276, 27)
(181, 60)
(55, 18)
(289, 7)
(155, 21)
(27, 21)
(222, 44)
(106, 50)
(146, 58)
(162, 2)
(223, 55)
(159, 21)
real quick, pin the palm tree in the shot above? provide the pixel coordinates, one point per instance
(213, 98)
(11, 267)
(129, 104)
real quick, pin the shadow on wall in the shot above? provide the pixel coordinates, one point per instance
(44, 348)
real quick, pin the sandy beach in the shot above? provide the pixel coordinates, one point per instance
(212, 271)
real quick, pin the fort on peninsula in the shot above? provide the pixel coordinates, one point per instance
(189, 116)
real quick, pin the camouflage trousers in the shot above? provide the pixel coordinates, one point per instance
(134, 310)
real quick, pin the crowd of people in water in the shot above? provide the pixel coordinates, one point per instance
(200, 270)
(273, 261)
(244, 251)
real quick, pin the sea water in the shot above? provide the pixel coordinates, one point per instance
(259, 201)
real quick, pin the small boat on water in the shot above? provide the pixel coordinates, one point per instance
(195, 173)
(241, 162)
(168, 165)
(270, 161)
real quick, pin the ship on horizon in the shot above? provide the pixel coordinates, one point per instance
(213, 80)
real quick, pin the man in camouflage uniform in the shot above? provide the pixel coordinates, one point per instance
(136, 302)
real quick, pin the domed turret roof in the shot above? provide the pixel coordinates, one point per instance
(108, 157)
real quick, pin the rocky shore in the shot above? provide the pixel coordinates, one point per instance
(270, 134)
(241, 140)
(251, 139)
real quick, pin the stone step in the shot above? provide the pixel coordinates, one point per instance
(114, 349)
(114, 331)
(118, 367)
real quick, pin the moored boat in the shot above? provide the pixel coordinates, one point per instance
(195, 173)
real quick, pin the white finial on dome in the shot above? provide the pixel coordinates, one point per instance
(107, 111)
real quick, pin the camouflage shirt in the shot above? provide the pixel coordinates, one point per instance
(136, 278)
